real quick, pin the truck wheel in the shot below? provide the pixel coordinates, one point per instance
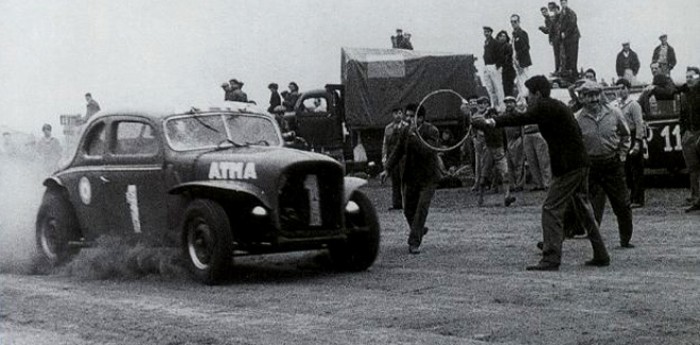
(360, 250)
(207, 242)
(56, 225)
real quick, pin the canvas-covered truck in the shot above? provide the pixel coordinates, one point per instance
(347, 121)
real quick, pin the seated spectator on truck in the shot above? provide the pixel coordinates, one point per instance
(291, 97)
(662, 88)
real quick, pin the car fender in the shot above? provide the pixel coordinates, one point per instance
(217, 187)
(351, 185)
(53, 181)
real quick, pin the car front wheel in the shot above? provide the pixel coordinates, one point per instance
(56, 226)
(207, 242)
(362, 246)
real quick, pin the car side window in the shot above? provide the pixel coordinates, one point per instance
(134, 138)
(95, 143)
(315, 105)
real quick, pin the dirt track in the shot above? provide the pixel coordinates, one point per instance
(467, 287)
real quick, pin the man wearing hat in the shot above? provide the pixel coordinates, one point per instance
(419, 176)
(569, 163)
(494, 61)
(236, 89)
(664, 55)
(606, 138)
(627, 63)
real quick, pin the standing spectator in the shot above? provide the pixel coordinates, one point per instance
(570, 168)
(497, 162)
(468, 108)
(420, 175)
(690, 131)
(291, 97)
(401, 40)
(392, 132)
(92, 107)
(237, 94)
(552, 29)
(537, 156)
(521, 58)
(664, 55)
(607, 141)
(634, 165)
(514, 150)
(570, 36)
(662, 89)
(508, 73)
(627, 63)
(494, 60)
(275, 99)
(481, 154)
(48, 150)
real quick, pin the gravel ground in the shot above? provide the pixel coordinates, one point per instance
(468, 286)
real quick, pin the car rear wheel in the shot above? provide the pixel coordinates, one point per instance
(56, 226)
(362, 246)
(207, 242)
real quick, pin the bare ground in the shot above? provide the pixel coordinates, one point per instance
(468, 286)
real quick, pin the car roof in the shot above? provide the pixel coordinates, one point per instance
(162, 112)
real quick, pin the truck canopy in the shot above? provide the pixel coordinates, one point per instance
(378, 80)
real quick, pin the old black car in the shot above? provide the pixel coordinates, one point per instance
(215, 182)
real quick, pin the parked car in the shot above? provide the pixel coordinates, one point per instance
(215, 182)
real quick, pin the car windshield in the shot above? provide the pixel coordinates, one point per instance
(195, 132)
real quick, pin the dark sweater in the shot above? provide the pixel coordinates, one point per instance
(558, 128)
(690, 108)
(421, 167)
(521, 42)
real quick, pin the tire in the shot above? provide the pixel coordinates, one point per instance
(207, 241)
(362, 246)
(56, 225)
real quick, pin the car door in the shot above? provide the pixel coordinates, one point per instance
(85, 188)
(318, 124)
(136, 196)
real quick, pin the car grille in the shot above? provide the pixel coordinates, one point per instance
(310, 198)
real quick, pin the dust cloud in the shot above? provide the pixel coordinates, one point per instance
(21, 191)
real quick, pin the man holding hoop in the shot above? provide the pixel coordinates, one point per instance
(570, 166)
(420, 174)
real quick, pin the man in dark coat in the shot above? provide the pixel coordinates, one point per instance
(627, 63)
(570, 36)
(420, 175)
(570, 166)
(521, 56)
(275, 99)
(664, 55)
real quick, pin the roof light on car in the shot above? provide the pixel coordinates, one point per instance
(259, 211)
(352, 207)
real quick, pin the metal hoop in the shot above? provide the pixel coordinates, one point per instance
(415, 118)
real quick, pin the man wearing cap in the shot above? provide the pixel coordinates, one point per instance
(514, 151)
(495, 159)
(664, 55)
(521, 56)
(661, 88)
(494, 60)
(236, 89)
(419, 176)
(634, 165)
(481, 154)
(607, 141)
(690, 132)
(392, 132)
(569, 163)
(48, 150)
(627, 63)
(552, 29)
(570, 36)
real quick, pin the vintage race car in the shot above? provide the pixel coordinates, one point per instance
(217, 183)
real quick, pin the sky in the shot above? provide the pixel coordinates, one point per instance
(133, 53)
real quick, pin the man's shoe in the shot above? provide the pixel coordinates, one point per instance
(414, 249)
(543, 266)
(636, 205)
(598, 262)
(627, 245)
(540, 245)
(508, 201)
(693, 208)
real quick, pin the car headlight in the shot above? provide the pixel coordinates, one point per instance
(259, 211)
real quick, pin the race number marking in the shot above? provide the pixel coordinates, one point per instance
(85, 190)
(311, 186)
(133, 201)
(668, 135)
